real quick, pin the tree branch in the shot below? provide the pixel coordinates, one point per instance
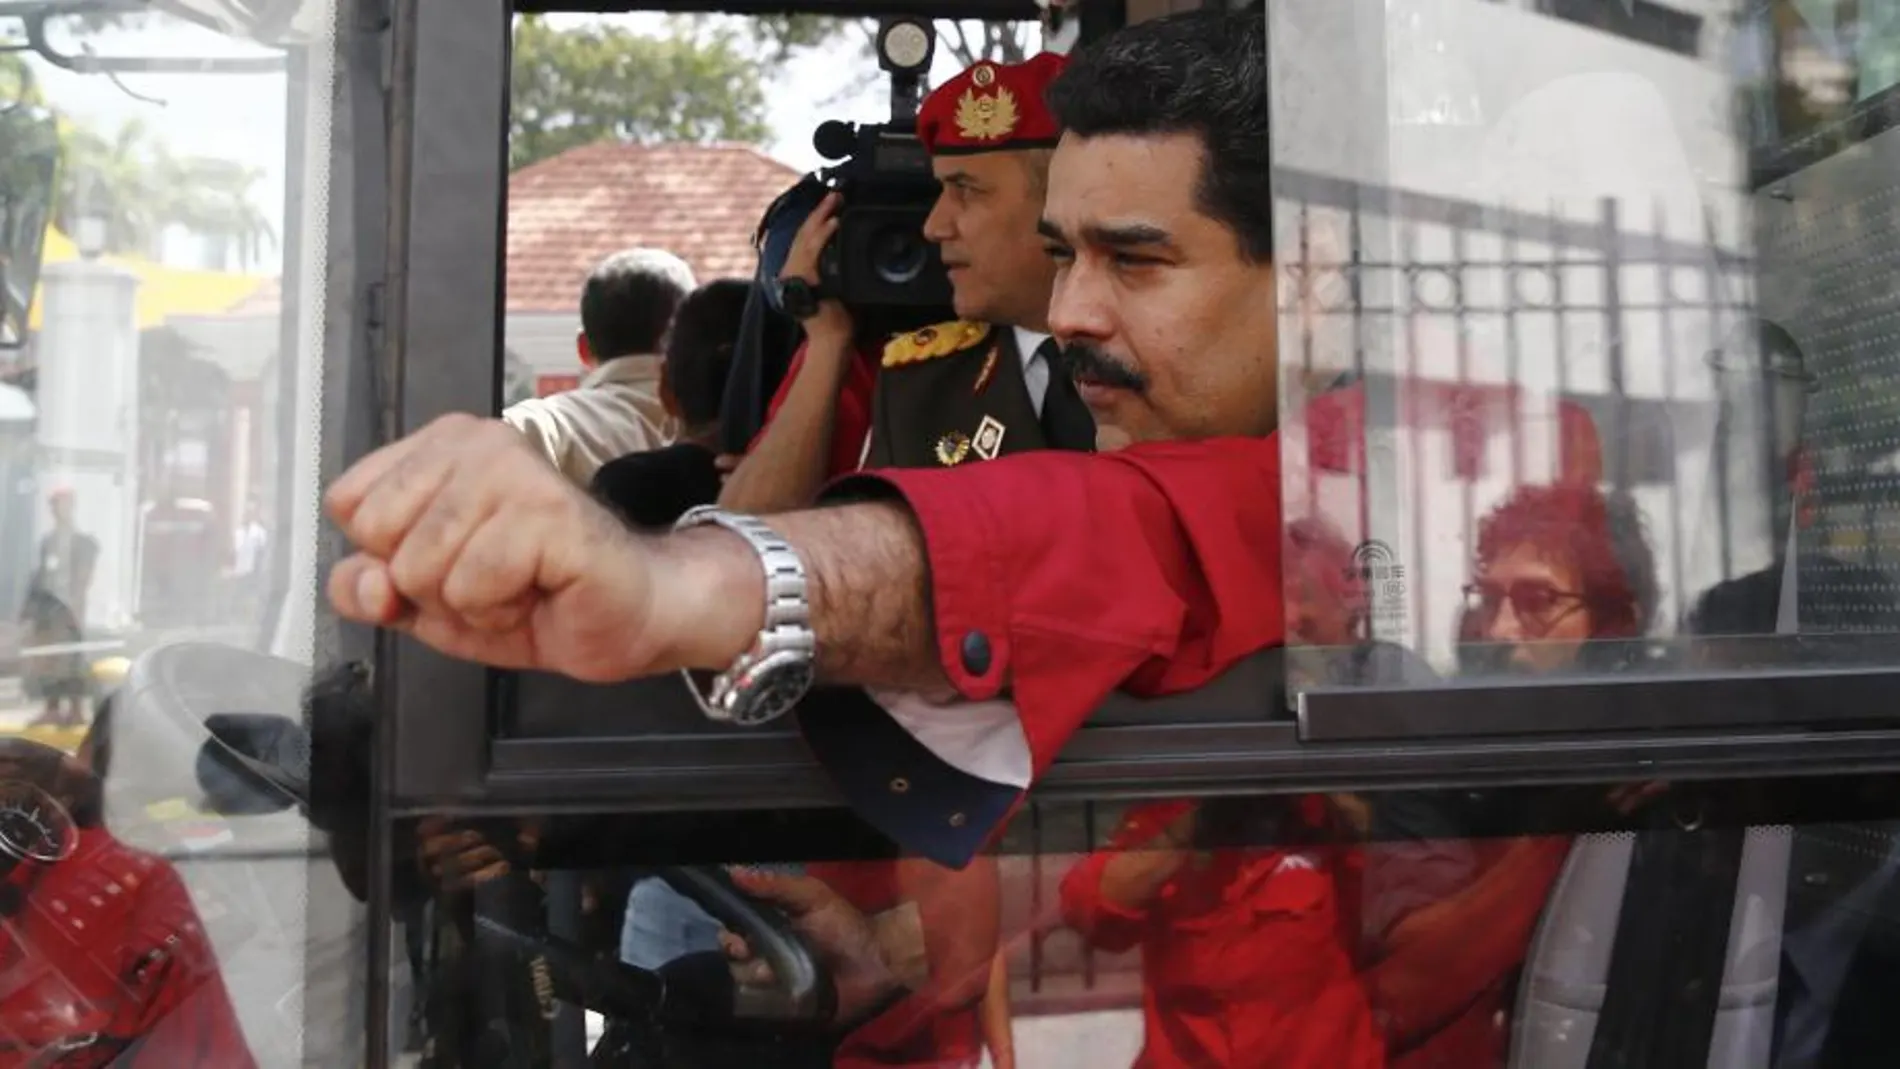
(961, 47)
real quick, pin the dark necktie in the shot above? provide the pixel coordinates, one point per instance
(1066, 423)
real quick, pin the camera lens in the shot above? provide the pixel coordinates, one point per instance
(898, 255)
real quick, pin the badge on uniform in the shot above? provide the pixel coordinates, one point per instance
(989, 369)
(989, 438)
(953, 448)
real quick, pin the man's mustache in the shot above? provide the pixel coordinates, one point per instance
(1085, 362)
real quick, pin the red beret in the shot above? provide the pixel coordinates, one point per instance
(992, 107)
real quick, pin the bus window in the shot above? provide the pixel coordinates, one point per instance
(180, 294)
(570, 872)
(1580, 344)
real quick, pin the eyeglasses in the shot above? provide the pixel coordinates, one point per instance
(1538, 605)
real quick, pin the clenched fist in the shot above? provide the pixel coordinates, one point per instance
(470, 541)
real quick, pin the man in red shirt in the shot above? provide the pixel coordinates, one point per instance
(1151, 570)
(1009, 597)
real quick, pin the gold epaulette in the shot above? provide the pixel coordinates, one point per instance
(933, 342)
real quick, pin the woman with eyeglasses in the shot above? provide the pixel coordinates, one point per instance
(1563, 579)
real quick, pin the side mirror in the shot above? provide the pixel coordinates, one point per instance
(253, 763)
(29, 169)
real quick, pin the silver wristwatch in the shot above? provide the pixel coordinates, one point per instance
(768, 680)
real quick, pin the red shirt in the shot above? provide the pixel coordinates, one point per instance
(1242, 962)
(1441, 971)
(851, 425)
(1151, 570)
(108, 941)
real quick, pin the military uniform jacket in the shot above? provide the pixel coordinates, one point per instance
(951, 394)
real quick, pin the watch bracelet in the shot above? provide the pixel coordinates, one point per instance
(787, 605)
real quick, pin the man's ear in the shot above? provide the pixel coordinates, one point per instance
(584, 350)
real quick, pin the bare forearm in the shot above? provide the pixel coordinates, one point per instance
(788, 465)
(869, 589)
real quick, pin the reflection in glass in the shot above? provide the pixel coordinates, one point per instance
(1611, 287)
(161, 350)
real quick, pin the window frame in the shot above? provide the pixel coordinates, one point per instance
(450, 729)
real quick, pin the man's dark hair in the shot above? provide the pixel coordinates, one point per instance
(629, 301)
(1201, 72)
(699, 351)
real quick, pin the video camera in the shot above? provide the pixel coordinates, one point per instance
(879, 257)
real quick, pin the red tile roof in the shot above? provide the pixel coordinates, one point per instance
(569, 212)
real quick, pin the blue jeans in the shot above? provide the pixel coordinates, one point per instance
(663, 925)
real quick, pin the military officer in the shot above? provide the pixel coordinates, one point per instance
(972, 389)
(983, 386)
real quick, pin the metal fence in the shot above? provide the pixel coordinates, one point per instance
(1465, 316)
(1379, 267)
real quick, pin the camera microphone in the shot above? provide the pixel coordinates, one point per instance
(835, 139)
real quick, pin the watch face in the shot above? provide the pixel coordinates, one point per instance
(795, 296)
(773, 689)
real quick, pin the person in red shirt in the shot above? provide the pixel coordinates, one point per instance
(1562, 573)
(1242, 960)
(1027, 588)
(104, 954)
(1024, 590)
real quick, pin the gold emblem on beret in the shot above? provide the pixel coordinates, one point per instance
(953, 448)
(989, 438)
(987, 117)
(933, 342)
(983, 75)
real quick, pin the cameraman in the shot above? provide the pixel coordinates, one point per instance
(971, 389)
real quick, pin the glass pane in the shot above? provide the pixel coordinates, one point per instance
(166, 214)
(1583, 315)
(1640, 924)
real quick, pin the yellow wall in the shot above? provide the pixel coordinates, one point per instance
(163, 291)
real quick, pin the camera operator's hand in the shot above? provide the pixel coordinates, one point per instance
(869, 958)
(469, 540)
(831, 328)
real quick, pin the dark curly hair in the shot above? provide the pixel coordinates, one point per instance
(1600, 534)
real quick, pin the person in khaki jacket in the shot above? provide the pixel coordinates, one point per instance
(626, 307)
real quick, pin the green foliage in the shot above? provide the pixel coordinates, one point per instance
(703, 79)
(698, 82)
(137, 187)
(128, 179)
(17, 84)
(781, 36)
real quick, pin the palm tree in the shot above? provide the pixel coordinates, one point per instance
(109, 180)
(211, 198)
